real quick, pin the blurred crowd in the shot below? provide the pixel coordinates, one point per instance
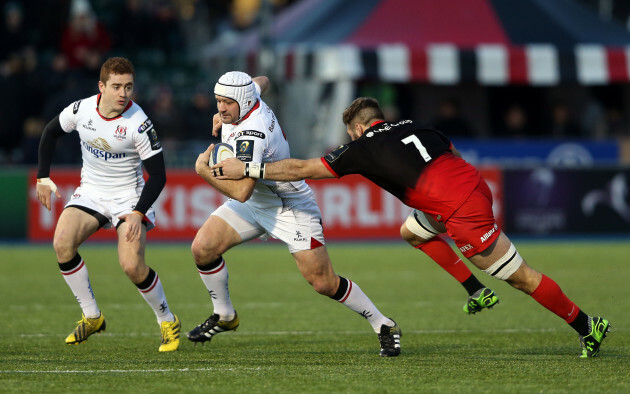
(558, 120)
(514, 112)
(52, 51)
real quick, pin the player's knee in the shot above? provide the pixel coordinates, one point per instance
(405, 234)
(417, 229)
(135, 271)
(506, 266)
(204, 252)
(65, 248)
(323, 282)
(324, 286)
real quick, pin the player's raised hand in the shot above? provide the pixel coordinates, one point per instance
(202, 160)
(134, 225)
(231, 168)
(216, 125)
(45, 187)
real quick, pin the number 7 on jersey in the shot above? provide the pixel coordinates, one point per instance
(418, 145)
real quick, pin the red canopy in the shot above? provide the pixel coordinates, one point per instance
(490, 42)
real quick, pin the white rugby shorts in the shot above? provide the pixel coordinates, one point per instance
(297, 227)
(111, 208)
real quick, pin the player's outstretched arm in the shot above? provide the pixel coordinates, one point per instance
(295, 170)
(240, 190)
(283, 170)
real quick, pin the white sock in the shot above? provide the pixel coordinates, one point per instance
(75, 273)
(355, 299)
(216, 281)
(153, 293)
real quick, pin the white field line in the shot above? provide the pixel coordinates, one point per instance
(299, 333)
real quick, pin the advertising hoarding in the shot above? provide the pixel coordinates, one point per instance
(352, 207)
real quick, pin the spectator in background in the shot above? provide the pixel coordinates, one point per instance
(451, 121)
(387, 95)
(217, 10)
(198, 122)
(13, 38)
(85, 40)
(616, 123)
(33, 127)
(593, 120)
(136, 22)
(12, 107)
(167, 117)
(562, 124)
(13, 78)
(13, 64)
(244, 13)
(66, 85)
(514, 123)
(165, 27)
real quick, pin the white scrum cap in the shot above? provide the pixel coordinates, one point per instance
(239, 87)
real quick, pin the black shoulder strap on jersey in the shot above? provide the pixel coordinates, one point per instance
(47, 144)
(155, 183)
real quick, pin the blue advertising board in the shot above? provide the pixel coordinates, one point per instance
(547, 200)
(554, 153)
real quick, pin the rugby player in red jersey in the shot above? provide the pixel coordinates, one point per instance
(421, 167)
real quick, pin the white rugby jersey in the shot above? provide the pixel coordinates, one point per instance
(112, 149)
(259, 138)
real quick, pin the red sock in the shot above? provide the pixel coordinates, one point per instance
(549, 295)
(442, 253)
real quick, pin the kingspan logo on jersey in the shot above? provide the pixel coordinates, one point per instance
(99, 148)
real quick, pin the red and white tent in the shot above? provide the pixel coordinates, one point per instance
(444, 42)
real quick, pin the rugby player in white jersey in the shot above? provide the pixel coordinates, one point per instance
(117, 140)
(260, 208)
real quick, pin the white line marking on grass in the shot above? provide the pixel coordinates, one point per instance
(138, 370)
(299, 333)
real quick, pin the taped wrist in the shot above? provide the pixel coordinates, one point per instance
(47, 182)
(255, 170)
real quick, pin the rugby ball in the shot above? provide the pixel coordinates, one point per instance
(220, 152)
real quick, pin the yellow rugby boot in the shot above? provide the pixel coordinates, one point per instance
(170, 335)
(86, 327)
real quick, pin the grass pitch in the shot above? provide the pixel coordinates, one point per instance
(294, 340)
